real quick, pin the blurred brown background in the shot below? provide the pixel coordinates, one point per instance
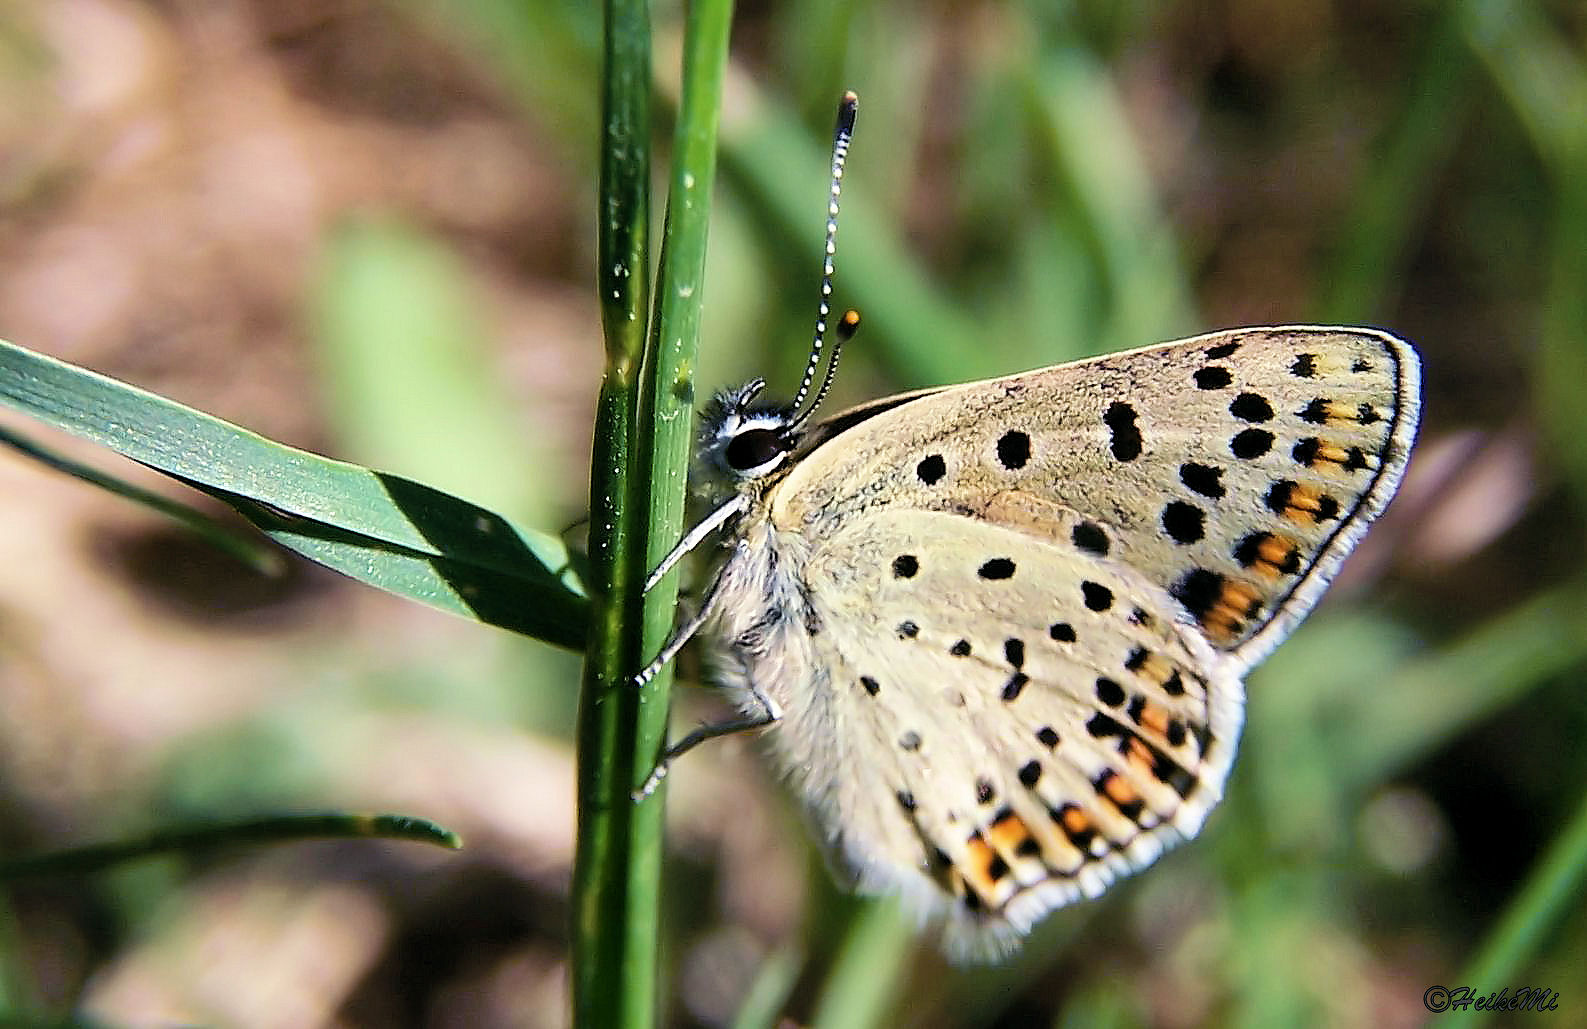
(365, 227)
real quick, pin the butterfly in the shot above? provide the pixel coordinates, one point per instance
(997, 632)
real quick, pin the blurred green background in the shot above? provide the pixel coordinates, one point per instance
(367, 228)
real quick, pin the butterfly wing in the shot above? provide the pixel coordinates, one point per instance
(1030, 721)
(1235, 470)
(1031, 601)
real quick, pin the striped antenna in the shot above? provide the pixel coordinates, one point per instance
(850, 321)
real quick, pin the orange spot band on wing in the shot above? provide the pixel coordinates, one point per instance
(1154, 668)
(978, 865)
(1154, 717)
(1118, 790)
(1008, 832)
(1236, 603)
(1276, 554)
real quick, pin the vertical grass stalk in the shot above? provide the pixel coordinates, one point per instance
(638, 479)
(611, 828)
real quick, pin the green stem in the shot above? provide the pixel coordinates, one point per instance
(638, 478)
(613, 971)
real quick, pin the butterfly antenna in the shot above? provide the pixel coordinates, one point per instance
(848, 325)
(840, 154)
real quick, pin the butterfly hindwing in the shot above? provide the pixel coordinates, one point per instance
(1032, 720)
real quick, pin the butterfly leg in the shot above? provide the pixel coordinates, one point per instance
(685, 632)
(694, 537)
(769, 712)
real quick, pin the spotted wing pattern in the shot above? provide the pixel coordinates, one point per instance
(1031, 601)
(1236, 470)
(1024, 757)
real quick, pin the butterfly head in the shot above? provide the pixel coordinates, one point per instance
(742, 440)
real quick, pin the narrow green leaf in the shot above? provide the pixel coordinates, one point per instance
(381, 529)
(616, 864)
(768, 994)
(1392, 196)
(250, 552)
(863, 984)
(638, 479)
(1551, 892)
(274, 829)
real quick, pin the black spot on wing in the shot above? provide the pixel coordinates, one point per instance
(1305, 450)
(1212, 377)
(1013, 449)
(1249, 444)
(1251, 407)
(996, 568)
(1126, 443)
(1198, 590)
(1184, 523)
(1101, 726)
(1203, 479)
(1090, 537)
(1097, 596)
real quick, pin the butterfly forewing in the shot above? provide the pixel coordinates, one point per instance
(1235, 470)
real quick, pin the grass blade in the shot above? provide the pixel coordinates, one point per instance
(382, 529)
(250, 552)
(274, 829)
(1550, 892)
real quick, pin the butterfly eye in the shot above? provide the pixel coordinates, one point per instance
(753, 448)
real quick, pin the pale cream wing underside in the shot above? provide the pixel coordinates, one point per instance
(1234, 470)
(1026, 721)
